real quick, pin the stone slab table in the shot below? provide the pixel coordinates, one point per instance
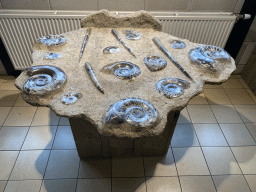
(124, 91)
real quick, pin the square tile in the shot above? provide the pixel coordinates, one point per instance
(39, 138)
(20, 102)
(184, 116)
(128, 185)
(4, 111)
(226, 114)
(184, 136)
(2, 185)
(251, 94)
(163, 184)
(160, 166)
(221, 161)
(127, 167)
(9, 86)
(251, 181)
(235, 77)
(7, 160)
(94, 185)
(217, 97)
(201, 114)
(23, 186)
(64, 138)
(237, 134)
(30, 165)
(121, 5)
(241, 52)
(210, 135)
(60, 185)
(12, 138)
(197, 184)
(246, 158)
(234, 183)
(45, 116)
(62, 164)
(244, 84)
(74, 5)
(167, 5)
(232, 84)
(210, 86)
(64, 121)
(248, 52)
(95, 168)
(252, 129)
(20, 116)
(239, 96)
(198, 100)
(213, 5)
(190, 161)
(247, 113)
(8, 98)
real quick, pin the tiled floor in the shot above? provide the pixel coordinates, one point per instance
(213, 149)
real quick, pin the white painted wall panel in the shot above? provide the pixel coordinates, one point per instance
(74, 4)
(173, 5)
(121, 5)
(213, 5)
(239, 6)
(26, 4)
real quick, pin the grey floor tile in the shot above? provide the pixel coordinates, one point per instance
(128, 185)
(95, 168)
(226, 114)
(190, 161)
(184, 136)
(64, 121)
(232, 83)
(64, 138)
(8, 78)
(12, 138)
(235, 77)
(198, 100)
(60, 185)
(4, 111)
(160, 166)
(234, 183)
(20, 116)
(7, 160)
(201, 114)
(30, 165)
(8, 86)
(247, 113)
(163, 184)
(239, 96)
(2, 185)
(237, 134)
(62, 164)
(23, 186)
(8, 98)
(251, 94)
(221, 161)
(45, 116)
(184, 116)
(39, 138)
(94, 185)
(209, 86)
(243, 83)
(210, 135)
(246, 158)
(21, 102)
(252, 129)
(127, 167)
(217, 97)
(251, 181)
(197, 184)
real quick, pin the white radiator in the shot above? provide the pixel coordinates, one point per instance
(19, 29)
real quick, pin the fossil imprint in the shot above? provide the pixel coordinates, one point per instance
(111, 49)
(177, 44)
(52, 56)
(132, 35)
(70, 98)
(155, 62)
(53, 40)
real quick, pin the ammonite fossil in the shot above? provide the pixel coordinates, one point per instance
(132, 35)
(111, 49)
(208, 56)
(52, 40)
(52, 56)
(155, 62)
(122, 69)
(134, 111)
(44, 79)
(70, 98)
(172, 87)
(177, 44)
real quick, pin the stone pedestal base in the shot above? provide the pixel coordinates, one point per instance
(90, 143)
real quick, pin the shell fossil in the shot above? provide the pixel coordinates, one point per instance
(132, 35)
(52, 56)
(111, 49)
(172, 87)
(155, 62)
(134, 111)
(122, 69)
(177, 44)
(44, 79)
(70, 98)
(208, 56)
(53, 40)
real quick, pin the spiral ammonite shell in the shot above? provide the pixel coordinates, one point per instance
(111, 49)
(172, 87)
(44, 79)
(155, 62)
(52, 56)
(177, 44)
(70, 98)
(52, 40)
(134, 111)
(132, 35)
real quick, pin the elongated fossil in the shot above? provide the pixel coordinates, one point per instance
(93, 77)
(122, 42)
(164, 50)
(84, 42)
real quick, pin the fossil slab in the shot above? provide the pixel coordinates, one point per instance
(93, 105)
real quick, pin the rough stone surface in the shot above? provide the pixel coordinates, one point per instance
(94, 105)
